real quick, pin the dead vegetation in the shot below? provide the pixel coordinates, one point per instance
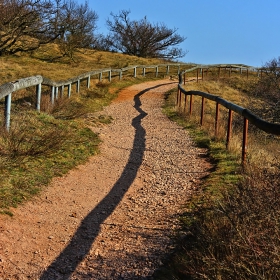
(230, 230)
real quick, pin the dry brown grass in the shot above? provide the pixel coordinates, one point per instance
(43, 145)
(230, 230)
(41, 62)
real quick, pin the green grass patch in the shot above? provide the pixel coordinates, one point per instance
(230, 229)
(226, 166)
(37, 150)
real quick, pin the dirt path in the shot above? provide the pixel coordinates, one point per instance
(113, 217)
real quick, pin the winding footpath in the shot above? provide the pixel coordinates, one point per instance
(113, 217)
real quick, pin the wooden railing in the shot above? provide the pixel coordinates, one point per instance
(201, 71)
(248, 116)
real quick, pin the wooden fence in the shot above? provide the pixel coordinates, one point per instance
(272, 128)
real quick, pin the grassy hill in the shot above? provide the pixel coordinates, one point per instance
(45, 62)
(230, 229)
(38, 146)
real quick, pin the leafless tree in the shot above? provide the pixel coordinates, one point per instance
(77, 23)
(268, 89)
(143, 39)
(268, 86)
(25, 25)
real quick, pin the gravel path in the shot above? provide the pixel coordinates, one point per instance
(114, 217)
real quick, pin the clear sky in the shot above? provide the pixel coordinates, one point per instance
(217, 31)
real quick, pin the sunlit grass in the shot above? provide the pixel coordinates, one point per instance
(230, 228)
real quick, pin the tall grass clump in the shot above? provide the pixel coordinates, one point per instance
(37, 148)
(40, 146)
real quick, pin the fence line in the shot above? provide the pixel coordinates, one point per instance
(203, 70)
(7, 89)
(248, 116)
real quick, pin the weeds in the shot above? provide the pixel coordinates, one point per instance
(43, 145)
(37, 148)
(230, 230)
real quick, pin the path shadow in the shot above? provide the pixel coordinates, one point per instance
(79, 246)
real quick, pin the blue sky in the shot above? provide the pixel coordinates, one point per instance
(217, 31)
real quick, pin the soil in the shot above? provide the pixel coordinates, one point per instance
(115, 216)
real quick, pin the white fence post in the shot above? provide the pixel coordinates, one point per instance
(56, 92)
(8, 101)
(167, 69)
(61, 91)
(78, 86)
(38, 94)
(52, 95)
(69, 91)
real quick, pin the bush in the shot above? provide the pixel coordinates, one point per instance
(236, 237)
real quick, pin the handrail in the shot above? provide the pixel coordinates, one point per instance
(8, 88)
(268, 127)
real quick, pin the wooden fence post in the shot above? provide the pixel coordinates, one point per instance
(217, 118)
(185, 103)
(191, 101)
(135, 72)
(229, 128)
(180, 98)
(244, 142)
(202, 110)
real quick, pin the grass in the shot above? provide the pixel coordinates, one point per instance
(44, 145)
(42, 62)
(230, 230)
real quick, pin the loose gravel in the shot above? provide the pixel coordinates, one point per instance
(115, 216)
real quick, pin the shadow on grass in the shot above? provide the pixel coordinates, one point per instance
(68, 260)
